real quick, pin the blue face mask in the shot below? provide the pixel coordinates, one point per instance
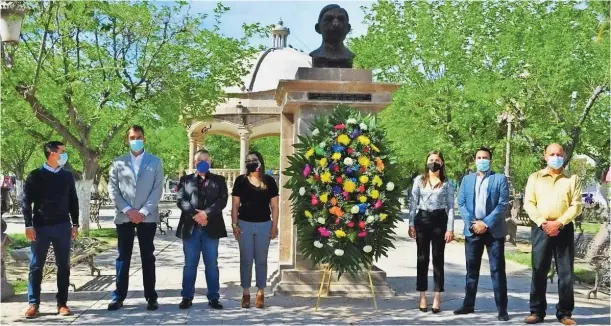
(555, 162)
(482, 165)
(136, 145)
(203, 167)
(63, 158)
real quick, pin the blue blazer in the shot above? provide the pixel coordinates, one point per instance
(497, 203)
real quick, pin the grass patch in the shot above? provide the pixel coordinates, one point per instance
(583, 275)
(18, 241)
(590, 228)
(103, 233)
(19, 285)
(522, 258)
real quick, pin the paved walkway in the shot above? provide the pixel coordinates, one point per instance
(90, 301)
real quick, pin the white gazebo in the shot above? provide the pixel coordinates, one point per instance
(250, 111)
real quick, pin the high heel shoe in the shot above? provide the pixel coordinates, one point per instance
(436, 310)
(425, 309)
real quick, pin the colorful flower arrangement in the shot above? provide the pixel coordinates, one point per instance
(345, 205)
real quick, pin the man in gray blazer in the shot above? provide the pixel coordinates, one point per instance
(135, 186)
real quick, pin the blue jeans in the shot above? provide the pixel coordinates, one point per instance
(254, 245)
(58, 236)
(125, 243)
(474, 249)
(200, 243)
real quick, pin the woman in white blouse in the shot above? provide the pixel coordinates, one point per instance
(431, 222)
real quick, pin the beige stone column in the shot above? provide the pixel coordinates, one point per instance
(285, 219)
(191, 153)
(244, 144)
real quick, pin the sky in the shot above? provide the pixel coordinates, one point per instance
(299, 16)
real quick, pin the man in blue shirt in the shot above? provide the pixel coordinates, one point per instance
(483, 200)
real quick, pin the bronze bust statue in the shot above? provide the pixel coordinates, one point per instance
(333, 24)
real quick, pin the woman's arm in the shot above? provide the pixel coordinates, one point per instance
(450, 206)
(274, 205)
(235, 206)
(413, 201)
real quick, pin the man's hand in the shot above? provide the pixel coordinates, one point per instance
(74, 232)
(30, 233)
(201, 218)
(449, 236)
(412, 232)
(135, 216)
(274, 232)
(551, 228)
(479, 227)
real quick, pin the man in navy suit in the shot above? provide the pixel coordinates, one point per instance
(483, 200)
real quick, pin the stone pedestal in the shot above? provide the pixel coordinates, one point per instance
(6, 288)
(317, 91)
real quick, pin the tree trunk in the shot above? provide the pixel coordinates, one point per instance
(83, 190)
(19, 189)
(599, 240)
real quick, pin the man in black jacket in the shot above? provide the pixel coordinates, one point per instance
(202, 196)
(53, 221)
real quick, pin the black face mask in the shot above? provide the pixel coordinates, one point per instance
(252, 167)
(434, 166)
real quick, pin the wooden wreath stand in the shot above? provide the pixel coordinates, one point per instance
(327, 270)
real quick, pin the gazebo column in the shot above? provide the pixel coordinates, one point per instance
(244, 144)
(191, 153)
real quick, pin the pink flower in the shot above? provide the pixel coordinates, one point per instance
(306, 170)
(340, 126)
(346, 196)
(324, 232)
(350, 224)
(378, 204)
(314, 200)
(350, 151)
(337, 220)
(362, 234)
(362, 224)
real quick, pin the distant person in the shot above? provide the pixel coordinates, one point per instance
(483, 200)
(552, 201)
(254, 215)
(135, 186)
(201, 196)
(54, 220)
(431, 222)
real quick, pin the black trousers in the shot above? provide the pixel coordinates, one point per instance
(562, 247)
(430, 231)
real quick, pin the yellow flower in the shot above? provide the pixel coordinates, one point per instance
(364, 179)
(364, 140)
(375, 194)
(323, 162)
(383, 217)
(364, 161)
(376, 181)
(343, 139)
(325, 177)
(307, 214)
(324, 197)
(309, 153)
(336, 156)
(375, 148)
(349, 186)
(340, 233)
(362, 199)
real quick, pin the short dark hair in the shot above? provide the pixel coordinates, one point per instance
(52, 146)
(331, 7)
(201, 151)
(135, 128)
(484, 149)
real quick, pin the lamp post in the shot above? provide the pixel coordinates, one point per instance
(11, 17)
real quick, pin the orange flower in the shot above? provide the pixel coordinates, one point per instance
(379, 164)
(335, 210)
(333, 201)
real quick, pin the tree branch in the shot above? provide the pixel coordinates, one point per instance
(551, 106)
(576, 132)
(39, 59)
(111, 134)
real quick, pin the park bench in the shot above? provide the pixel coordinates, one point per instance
(164, 218)
(82, 251)
(94, 211)
(600, 263)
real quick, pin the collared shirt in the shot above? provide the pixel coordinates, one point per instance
(429, 199)
(136, 162)
(49, 168)
(481, 196)
(202, 183)
(550, 198)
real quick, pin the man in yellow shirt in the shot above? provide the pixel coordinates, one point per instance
(552, 200)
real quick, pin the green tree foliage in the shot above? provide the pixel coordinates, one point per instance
(465, 64)
(269, 147)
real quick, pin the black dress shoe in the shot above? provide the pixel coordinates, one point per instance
(185, 304)
(503, 316)
(115, 305)
(215, 304)
(152, 305)
(436, 310)
(425, 309)
(464, 310)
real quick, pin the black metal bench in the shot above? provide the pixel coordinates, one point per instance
(94, 211)
(600, 263)
(82, 251)
(164, 218)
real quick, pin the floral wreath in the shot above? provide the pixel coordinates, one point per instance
(344, 205)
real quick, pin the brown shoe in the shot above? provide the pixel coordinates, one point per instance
(533, 319)
(32, 311)
(259, 300)
(567, 321)
(245, 300)
(64, 310)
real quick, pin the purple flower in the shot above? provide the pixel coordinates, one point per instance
(337, 190)
(355, 133)
(349, 171)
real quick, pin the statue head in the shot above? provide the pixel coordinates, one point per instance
(333, 23)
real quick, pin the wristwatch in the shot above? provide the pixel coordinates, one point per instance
(234, 225)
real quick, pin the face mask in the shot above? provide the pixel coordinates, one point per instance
(63, 158)
(203, 167)
(253, 167)
(555, 162)
(482, 164)
(136, 145)
(434, 166)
